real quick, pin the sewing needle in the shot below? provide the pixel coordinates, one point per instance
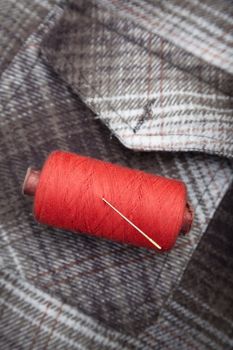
(132, 224)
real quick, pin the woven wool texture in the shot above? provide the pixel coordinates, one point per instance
(60, 290)
(123, 59)
(17, 24)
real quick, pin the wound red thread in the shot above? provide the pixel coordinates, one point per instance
(69, 196)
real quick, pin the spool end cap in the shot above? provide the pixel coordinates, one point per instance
(30, 182)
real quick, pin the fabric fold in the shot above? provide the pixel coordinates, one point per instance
(151, 92)
(60, 290)
(123, 288)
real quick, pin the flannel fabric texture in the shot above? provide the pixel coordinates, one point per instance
(159, 74)
(66, 291)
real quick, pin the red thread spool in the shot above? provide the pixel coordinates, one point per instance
(69, 191)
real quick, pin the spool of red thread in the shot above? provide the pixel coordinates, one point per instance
(69, 193)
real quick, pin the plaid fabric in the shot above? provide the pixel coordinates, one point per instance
(17, 20)
(199, 314)
(60, 290)
(123, 59)
(200, 27)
